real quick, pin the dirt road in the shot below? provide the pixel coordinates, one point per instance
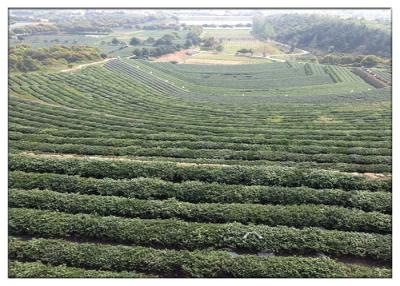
(78, 67)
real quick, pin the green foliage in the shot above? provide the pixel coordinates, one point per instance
(269, 175)
(166, 40)
(35, 29)
(209, 43)
(199, 157)
(115, 41)
(370, 61)
(25, 59)
(329, 217)
(199, 192)
(327, 34)
(177, 234)
(170, 263)
(135, 41)
(367, 61)
(245, 51)
(263, 27)
(18, 269)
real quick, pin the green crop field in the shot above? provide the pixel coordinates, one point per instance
(143, 169)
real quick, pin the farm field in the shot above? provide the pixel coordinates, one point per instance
(236, 39)
(141, 169)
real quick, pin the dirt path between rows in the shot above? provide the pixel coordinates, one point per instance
(373, 176)
(110, 158)
(78, 67)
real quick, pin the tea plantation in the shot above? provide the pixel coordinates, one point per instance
(139, 169)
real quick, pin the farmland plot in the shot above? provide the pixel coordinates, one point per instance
(143, 169)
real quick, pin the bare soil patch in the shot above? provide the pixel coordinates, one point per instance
(178, 57)
(211, 62)
(181, 164)
(78, 67)
(373, 176)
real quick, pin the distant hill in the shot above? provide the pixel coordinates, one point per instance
(326, 33)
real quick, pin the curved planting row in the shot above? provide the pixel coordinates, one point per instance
(329, 217)
(269, 176)
(109, 155)
(184, 152)
(170, 263)
(111, 142)
(18, 269)
(183, 235)
(200, 192)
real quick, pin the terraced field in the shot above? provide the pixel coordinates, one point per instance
(383, 74)
(142, 169)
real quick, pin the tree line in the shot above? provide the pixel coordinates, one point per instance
(326, 33)
(24, 58)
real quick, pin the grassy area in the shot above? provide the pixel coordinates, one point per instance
(236, 39)
(257, 46)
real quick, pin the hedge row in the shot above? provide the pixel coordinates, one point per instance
(225, 154)
(126, 145)
(342, 167)
(40, 122)
(18, 269)
(200, 192)
(269, 175)
(118, 122)
(329, 217)
(192, 114)
(255, 140)
(170, 263)
(184, 235)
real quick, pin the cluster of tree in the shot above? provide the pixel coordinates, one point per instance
(325, 33)
(359, 60)
(84, 27)
(192, 39)
(161, 26)
(94, 22)
(245, 51)
(167, 43)
(21, 18)
(102, 21)
(155, 51)
(118, 19)
(24, 58)
(135, 41)
(34, 29)
(116, 41)
(209, 43)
